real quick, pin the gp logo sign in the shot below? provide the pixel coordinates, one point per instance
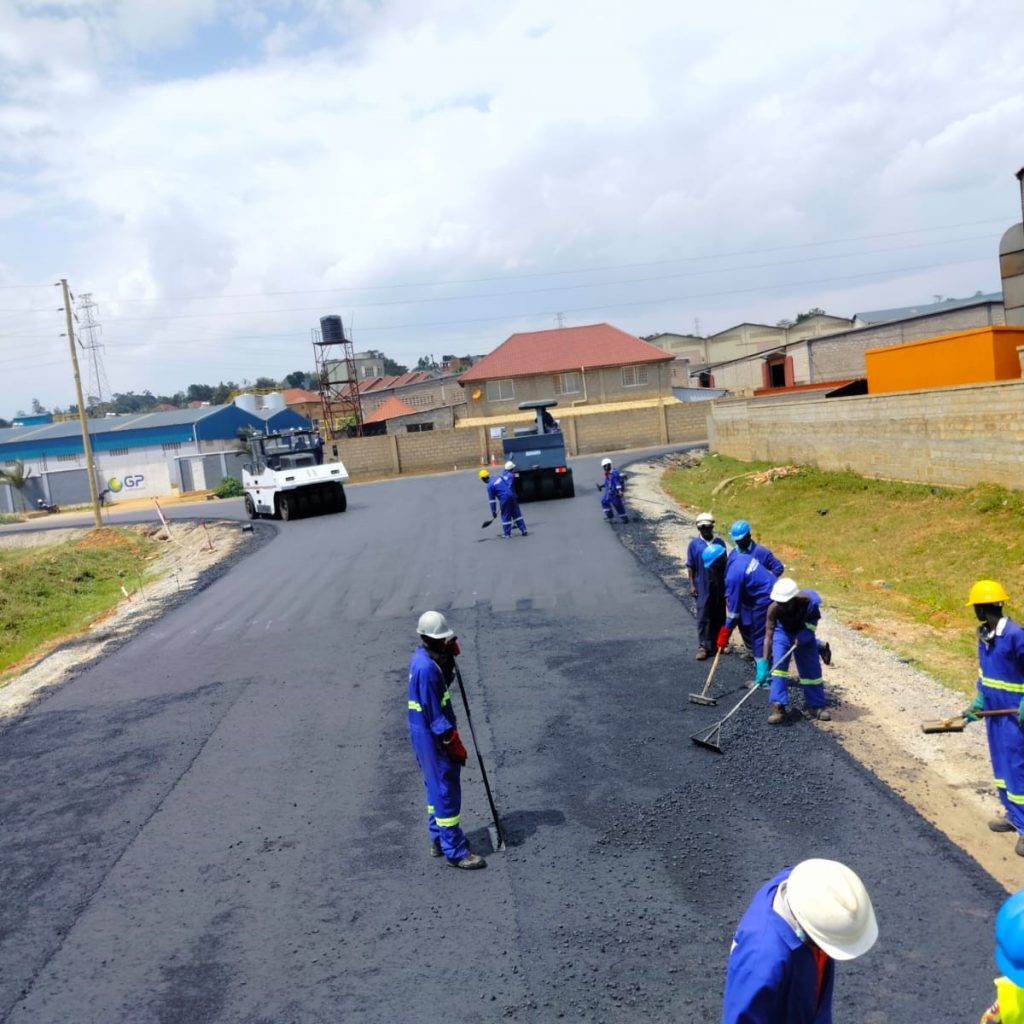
(127, 483)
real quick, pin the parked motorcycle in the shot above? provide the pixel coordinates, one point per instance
(46, 507)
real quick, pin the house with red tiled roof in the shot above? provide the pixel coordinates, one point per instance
(305, 403)
(590, 365)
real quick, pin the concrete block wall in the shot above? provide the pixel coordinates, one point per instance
(953, 437)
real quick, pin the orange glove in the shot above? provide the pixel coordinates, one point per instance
(454, 748)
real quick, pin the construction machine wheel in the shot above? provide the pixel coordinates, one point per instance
(250, 508)
(285, 507)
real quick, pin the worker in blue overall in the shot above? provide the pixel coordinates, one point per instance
(793, 618)
(748, 588)
(1001, 685)
(1009, 1005)
(492, 492)
(435, 739)
(782, 961)
(505, 491)
(740, 534)
(611, 493)
(710, 616)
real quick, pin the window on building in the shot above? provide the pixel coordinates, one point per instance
(118, 451)
(568, 383)
(67, 458)
(500, 390)
(174, 446)
(634, 376)
(418, 428)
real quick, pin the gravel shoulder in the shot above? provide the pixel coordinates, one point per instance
(879, 701)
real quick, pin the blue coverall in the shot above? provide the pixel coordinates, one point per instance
(611, 496)
(766, 557)
(808, 663)
(748, 588)
(773, 976)
(708, 619)
(1001, 685)
(505, 489)
(431, 715)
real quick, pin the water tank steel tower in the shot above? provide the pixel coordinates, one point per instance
(337, 380)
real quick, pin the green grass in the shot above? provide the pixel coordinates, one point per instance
(894, 560)
(49, 593)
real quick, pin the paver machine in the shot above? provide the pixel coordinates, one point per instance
(538, 452)
(285, 477)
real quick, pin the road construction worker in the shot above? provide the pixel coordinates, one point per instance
(793, 618)
(1009, 1005)
(782, 961)
(492, 492)
(1001, 686)
(740, 534)
(748, 588)
(709, 616)
(505, 490)
(611, 492)
(434, 735)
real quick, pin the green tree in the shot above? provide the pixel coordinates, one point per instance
(391, 368)
(17, 477)
(37, 406)
(199, 393)
(299, 379)
(266, 384)
(222, 391)
(426, 363)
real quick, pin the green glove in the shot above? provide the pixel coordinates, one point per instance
(764, 668)
(978, 704)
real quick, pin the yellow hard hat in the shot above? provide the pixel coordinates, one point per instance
(987, 592)
(484, 474)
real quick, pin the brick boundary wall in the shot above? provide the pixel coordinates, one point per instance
(955, 437)
(471, 447)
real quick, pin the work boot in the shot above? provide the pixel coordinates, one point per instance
(821, 714)
(471, 862)
(702, 654)
(1000, 825)
(1019, 848)
(826, 654)
(776, 714)
(435, 848)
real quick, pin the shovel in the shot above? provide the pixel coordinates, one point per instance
(487, 522)
(702, 697)
(712, 738)
(958, 723)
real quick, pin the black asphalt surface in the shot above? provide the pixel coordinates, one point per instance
(223, 821)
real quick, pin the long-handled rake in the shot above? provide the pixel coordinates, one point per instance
(702, 697)
(499, 831)
(711, 738)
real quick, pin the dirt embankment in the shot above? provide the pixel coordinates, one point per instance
(880, 702)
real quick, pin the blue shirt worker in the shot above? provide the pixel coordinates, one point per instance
(611, 493)
(748, 588)
(782, 961)
(435, 739)
(505, 491)
(793, 618)
(492, 491)
(740, 534)
(710, 615)
(1001, 685)
(1009, 1005)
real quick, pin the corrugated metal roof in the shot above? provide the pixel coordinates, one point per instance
(881, 316)
(562, 349)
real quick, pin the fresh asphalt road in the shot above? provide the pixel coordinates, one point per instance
(223, 821)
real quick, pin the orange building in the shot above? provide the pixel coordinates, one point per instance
(967, 357)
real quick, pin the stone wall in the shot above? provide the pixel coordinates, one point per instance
(954, 436)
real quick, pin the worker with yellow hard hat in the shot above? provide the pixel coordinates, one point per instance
(1001, 688)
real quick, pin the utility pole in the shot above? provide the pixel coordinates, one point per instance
(560, 320)
(86, 443)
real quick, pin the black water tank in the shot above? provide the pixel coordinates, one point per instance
(331, 330)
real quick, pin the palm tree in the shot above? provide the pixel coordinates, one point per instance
(17, 477)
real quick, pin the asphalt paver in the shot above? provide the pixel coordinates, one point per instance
(223, 821)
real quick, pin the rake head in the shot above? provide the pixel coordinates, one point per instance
(709, 739)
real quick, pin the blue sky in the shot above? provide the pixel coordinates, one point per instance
(218, 175)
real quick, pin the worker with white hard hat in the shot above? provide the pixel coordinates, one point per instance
(792, 619)
(1001, 687)
(710, 615)
(782, 961)
(1009, 1005)
(504, 487)
(434, 735)
(612, 489)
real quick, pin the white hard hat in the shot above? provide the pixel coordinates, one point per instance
(434, 625)
(510, 464)
(831, 904)
(784, 590)
(606, 462)
(705, 519)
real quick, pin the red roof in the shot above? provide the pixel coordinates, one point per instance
(562, 349)
(299, 396)
(391, 408)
